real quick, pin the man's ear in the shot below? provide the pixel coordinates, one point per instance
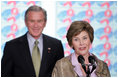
(45, 22)
(26, 22)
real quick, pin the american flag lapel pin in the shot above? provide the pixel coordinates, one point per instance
(49, 49)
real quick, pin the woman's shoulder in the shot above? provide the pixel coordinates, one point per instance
(64, 61)
(102, 68)
(97, 59)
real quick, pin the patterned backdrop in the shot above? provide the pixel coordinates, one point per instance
(101, 15)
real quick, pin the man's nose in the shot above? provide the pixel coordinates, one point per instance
(36, 24)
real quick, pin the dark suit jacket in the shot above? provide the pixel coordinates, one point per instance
(17, 61)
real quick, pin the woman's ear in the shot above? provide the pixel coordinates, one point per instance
(72, 47)
(90, 46)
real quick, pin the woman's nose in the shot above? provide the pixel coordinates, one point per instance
(81, 42)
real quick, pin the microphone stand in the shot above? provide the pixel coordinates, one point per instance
(88, 72)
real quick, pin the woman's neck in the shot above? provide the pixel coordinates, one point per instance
(86, 58)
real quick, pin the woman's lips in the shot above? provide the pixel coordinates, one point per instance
(82, 48)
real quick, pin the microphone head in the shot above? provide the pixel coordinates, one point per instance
(91, 59)
(81, 59)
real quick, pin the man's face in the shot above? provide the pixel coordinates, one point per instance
(35, 23)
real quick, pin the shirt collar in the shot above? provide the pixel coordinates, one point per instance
(32, 40)
(76, 65)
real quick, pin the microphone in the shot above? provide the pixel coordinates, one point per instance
(92, 61)
(81, 60)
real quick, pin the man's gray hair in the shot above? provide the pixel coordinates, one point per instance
(37, 9)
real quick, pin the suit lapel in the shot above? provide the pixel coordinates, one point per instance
(44, 56)
(26, 53)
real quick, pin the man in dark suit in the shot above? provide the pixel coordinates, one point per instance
(17, 58)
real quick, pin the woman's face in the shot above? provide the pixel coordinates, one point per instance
(81, 43)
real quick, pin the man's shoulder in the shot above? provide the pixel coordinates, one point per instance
(50, 38)
(20, 38)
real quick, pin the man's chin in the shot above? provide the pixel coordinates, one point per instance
(36, 36)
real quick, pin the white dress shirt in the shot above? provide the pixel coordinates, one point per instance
(31, 41)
